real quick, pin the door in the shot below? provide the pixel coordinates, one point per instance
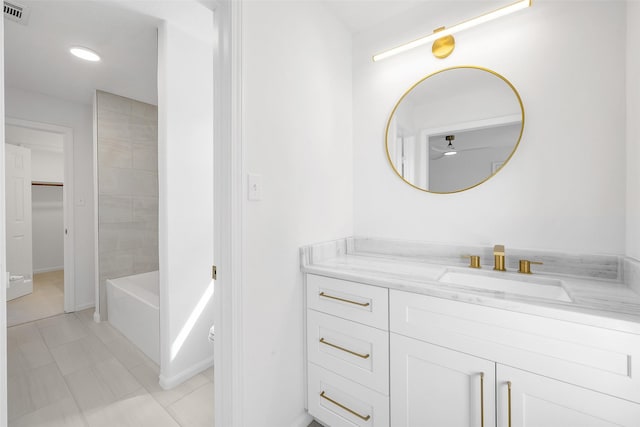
(18, 220)
(537, 401)
(435, 386)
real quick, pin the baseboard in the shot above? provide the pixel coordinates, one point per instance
(48, 269)
(303, 420)
(168, 383)
(84, 306)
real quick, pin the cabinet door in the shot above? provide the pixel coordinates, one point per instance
(537, 401)
(435, 386)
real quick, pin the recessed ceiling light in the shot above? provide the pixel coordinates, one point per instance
(84, 53)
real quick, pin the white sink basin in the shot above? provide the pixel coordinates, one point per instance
(491, 281)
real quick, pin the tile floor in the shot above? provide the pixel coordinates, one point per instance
(46, 300)
(70, 371)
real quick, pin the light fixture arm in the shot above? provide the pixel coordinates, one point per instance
(444, 32)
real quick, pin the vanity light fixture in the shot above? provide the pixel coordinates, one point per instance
(444, 42)
(84, 53)
(451, 150)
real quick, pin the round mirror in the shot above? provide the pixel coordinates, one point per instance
(454, 129)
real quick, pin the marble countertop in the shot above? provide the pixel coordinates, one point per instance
(607, 303)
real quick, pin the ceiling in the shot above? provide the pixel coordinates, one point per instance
(37, 54)
(360, 15)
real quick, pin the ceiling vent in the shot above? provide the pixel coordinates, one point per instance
(16, 12)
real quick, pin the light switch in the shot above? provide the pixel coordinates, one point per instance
(255, 187)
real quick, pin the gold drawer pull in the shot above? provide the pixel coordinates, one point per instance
(351, 411)
(361, 304)
(363, 356)
(482, 399)
(509, 391)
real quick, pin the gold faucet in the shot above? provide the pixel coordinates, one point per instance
(498, 258)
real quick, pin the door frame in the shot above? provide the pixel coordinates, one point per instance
(67, 201)
(229, 213)
(228, 217)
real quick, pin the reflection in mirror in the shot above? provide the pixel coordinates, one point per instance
(454, 129)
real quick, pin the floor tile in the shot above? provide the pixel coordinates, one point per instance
(79, 354)
(125, 352)
(61, 330)
(195, 409)
(101, 384)
(117, 378)
(64, 413)
(16, 365)
(35, 389)
(103, 330)
(138, 410)
(35, 354)
(149, 379)
(47, 386)
(88, 390)
(86, 315)
(18, 402)
(69, 371)
(23, 334)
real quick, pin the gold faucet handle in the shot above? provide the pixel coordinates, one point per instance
(525, 266)
(498, 250)
(474, 260)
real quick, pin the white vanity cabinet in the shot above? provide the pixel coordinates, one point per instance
(379, 357)
(440, 349)
(537, 401)
(347, 352)
(436, 386)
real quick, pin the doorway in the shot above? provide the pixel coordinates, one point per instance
(39, 209)
(224, 353)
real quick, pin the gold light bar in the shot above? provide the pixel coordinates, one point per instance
(489, 16)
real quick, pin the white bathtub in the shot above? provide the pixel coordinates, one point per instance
(133, 308)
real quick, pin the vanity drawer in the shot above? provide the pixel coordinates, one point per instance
(595, 358)
(355, 351)
(339, 402)
(353, 301)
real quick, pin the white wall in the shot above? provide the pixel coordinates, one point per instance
(633, 130)
(26, 105)
(564, 189)
(48, 228)
(47, 166)
(297, 135)
(185, 175)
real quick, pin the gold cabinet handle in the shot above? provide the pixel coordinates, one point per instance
(481, 399)
(509, 394)
(362, 356)
(361, 304)
(351, 411)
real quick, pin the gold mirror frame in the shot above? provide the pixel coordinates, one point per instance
(515, 148)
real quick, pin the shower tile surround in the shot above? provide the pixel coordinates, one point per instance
(127, 145)
(605, 286)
